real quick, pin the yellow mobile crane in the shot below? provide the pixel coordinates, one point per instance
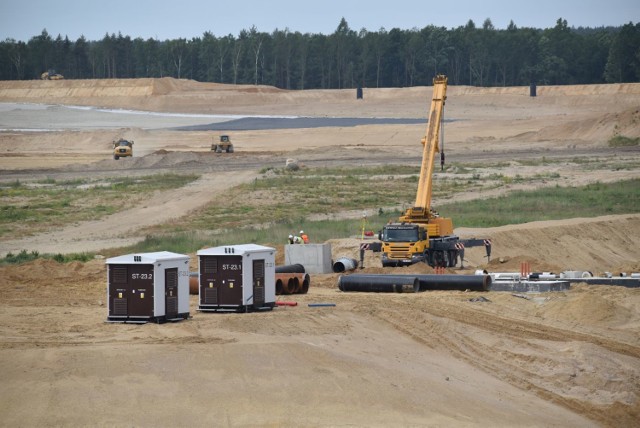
(421, 235)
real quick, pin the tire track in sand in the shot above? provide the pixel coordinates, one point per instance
(517, 352)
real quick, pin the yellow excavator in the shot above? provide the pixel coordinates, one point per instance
(421, 235)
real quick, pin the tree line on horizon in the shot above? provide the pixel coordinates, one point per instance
(468, 55)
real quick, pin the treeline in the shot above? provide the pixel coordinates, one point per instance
(468, 55)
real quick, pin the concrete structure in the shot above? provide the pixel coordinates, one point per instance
(618, 281)
(316, 258)
(529, 286)
(148, 287)
(236, 278)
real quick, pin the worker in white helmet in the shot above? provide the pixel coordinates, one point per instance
(290, 239)
(304, 236)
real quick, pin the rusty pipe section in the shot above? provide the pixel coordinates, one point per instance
(379, 283)
(292, 283)
(344, 264)
(194, 282)
(426, 282)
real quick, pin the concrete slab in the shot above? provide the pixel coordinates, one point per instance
(530, 286)
(619, 281)
(316, 258)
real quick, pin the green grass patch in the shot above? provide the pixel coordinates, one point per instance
(547, 204)
(622, 141)
(24, 257)
(294, 197)
(366, 171)
(27, 208)
(291, 198)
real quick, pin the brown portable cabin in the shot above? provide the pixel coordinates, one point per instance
(238, 278)
(148, 287)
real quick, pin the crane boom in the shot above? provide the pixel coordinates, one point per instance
(421, 211)
(430, 142)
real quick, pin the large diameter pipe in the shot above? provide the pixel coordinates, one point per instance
(289, 286)
(296, 268)
(292, 283)
(379, 283)
(194, 282)
(437, 282)
(455, 282)
(344, 264)
(306, 281)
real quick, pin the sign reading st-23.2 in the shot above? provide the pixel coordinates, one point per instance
(141, 276)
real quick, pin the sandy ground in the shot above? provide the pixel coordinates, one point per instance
(430, 359)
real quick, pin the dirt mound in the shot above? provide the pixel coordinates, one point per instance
(593, 306)
(628, 268)
(514, 264)
(592, 244)
(557, 91)
(167, 85)
(47, 282)
(599, 127)
(65, 91)
(158, 159)
(41, 270)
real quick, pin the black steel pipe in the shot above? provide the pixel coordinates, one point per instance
(436, 282)
(379, 283)
(455, 282)
(296, 268)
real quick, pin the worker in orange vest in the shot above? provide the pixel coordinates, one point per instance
(304, 236)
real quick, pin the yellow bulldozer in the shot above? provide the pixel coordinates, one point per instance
(224, 145)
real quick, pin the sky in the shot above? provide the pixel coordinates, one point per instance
(162, 20)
